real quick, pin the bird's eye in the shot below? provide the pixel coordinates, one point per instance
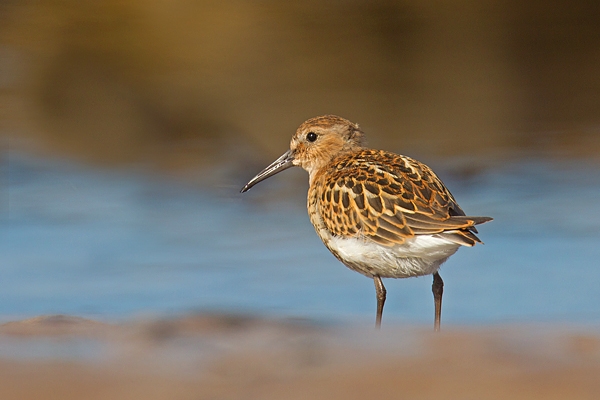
(311, 136)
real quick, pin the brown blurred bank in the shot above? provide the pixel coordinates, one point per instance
(187, 83)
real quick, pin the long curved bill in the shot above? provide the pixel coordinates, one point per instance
(283, 162)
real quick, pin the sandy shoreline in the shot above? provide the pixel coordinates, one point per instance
(229, 357)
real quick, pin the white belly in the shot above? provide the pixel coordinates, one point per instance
(419, 255)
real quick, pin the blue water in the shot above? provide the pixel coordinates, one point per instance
(112, 244)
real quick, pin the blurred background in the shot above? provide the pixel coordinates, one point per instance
(128, 128)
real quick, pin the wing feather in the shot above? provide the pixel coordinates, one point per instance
(388, 198)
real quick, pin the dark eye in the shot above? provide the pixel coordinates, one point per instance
(311, 136)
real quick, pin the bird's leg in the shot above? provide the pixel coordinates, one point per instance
(438, 289)
(380, 291)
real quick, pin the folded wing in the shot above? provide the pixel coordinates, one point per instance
(388, 198)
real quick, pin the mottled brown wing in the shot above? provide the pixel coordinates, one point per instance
(389, 198)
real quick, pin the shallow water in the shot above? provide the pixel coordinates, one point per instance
(111, 244)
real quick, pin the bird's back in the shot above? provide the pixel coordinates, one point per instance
(386, 198)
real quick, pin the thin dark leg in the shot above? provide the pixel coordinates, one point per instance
(380, 291)
(438, 289)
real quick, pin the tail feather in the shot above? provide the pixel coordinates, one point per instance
(465, 236)
(462, 237)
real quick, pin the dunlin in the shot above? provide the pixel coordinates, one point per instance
(381, 214)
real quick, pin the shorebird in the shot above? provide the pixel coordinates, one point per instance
(381, 214)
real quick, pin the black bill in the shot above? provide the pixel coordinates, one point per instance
(283, 162)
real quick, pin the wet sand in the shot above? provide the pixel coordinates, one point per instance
(231, 357)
